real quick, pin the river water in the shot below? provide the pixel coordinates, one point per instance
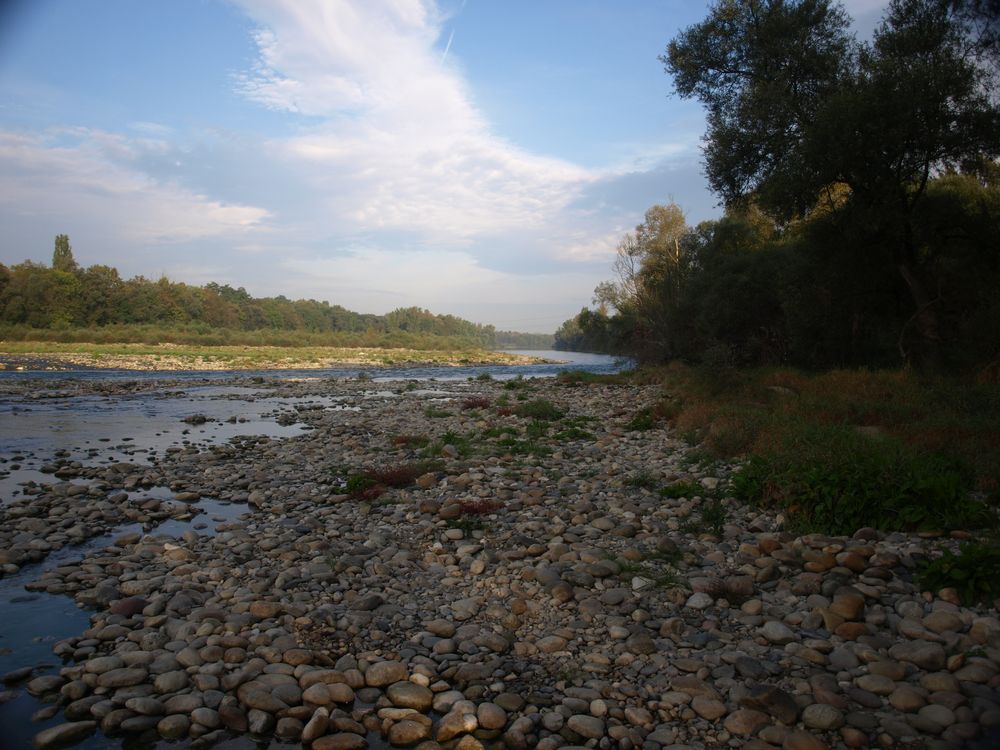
(137, 427)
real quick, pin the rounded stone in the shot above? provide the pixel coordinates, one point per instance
(586, 726)
(777, 633)
(822, 716)
(384, 673)
(173, 727)
(410, 695)
(708, 708)
(340, 741)
(491, 716)
(746, 721)
(64, 734)
(408, 732)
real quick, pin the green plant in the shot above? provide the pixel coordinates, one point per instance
(682, 489)
(432, 412)
(484, 376)
(574, 433)
(539, 409)
(714, 516)
(643, 479)
(974, 572)
(836, 480)
(643, 420)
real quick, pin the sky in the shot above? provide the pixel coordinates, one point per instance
(474, 157)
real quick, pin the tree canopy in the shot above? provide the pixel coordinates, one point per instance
(798, 109)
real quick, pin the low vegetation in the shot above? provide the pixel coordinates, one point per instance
(841, 450)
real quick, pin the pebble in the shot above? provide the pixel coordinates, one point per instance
(528, 600)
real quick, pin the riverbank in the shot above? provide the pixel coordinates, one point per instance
(524, 564)
(33, 355)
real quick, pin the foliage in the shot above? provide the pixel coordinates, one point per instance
(643, 420)
(835, 479)
(475, 402)
(682, 489)
(540, 409)
(800, 113)
(974, 572)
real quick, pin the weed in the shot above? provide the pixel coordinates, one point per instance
(478, 507)
(484, 376)
(682, 489)
(974, 572)
(468, 525)
(516, 384)
(836, 480)
(643, 479)
(476, 402)
(410, 441)
(357, 484)
(643, 420)
(714, 516)
(574, 433)
(539, 408)
(433, 412)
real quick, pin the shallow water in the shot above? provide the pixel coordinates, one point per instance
(564, 361)
(35, 620)
(137, 428)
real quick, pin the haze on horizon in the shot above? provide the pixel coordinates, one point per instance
(470, 157)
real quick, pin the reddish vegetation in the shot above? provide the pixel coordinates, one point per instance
(476, 402)
(478, 507)
(504, 411)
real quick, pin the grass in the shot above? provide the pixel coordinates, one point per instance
(539, 409)
(845, 449)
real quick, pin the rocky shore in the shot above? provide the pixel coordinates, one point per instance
(551, 579)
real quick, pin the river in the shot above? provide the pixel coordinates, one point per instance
(57, 425)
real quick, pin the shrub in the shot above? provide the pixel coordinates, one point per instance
(539, 408)
(476, 402)
(682, 489)
(643, 420)
(974, 572)
(835, 480)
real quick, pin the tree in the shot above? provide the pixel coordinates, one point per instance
(795, 107)
(62, 256)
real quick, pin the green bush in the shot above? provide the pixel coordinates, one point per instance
(974, 572)
(539, 408)
(643, 420)
(835, 480)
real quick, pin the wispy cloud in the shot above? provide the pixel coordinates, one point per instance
(399, 142)
(64, 174)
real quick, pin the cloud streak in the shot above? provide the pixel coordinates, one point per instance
(400, 143)
(65, 174)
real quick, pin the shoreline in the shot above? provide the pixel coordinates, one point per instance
(173, 357)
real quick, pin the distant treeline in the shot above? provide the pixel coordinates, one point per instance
(70, 303)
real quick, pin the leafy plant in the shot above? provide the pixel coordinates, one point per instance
(475, 402)
(433, 412)
(682, 489)
(643, 420)
(974, 572)
(539, 409)
(643, 479)
(836, 480)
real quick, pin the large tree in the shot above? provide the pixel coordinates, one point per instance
(796, 108)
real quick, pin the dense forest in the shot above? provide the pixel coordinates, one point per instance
(67, 302)
(861, 191)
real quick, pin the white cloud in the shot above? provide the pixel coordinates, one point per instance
(400, 144)
(70, 174)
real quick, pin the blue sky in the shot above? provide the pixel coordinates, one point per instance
(476, 157)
